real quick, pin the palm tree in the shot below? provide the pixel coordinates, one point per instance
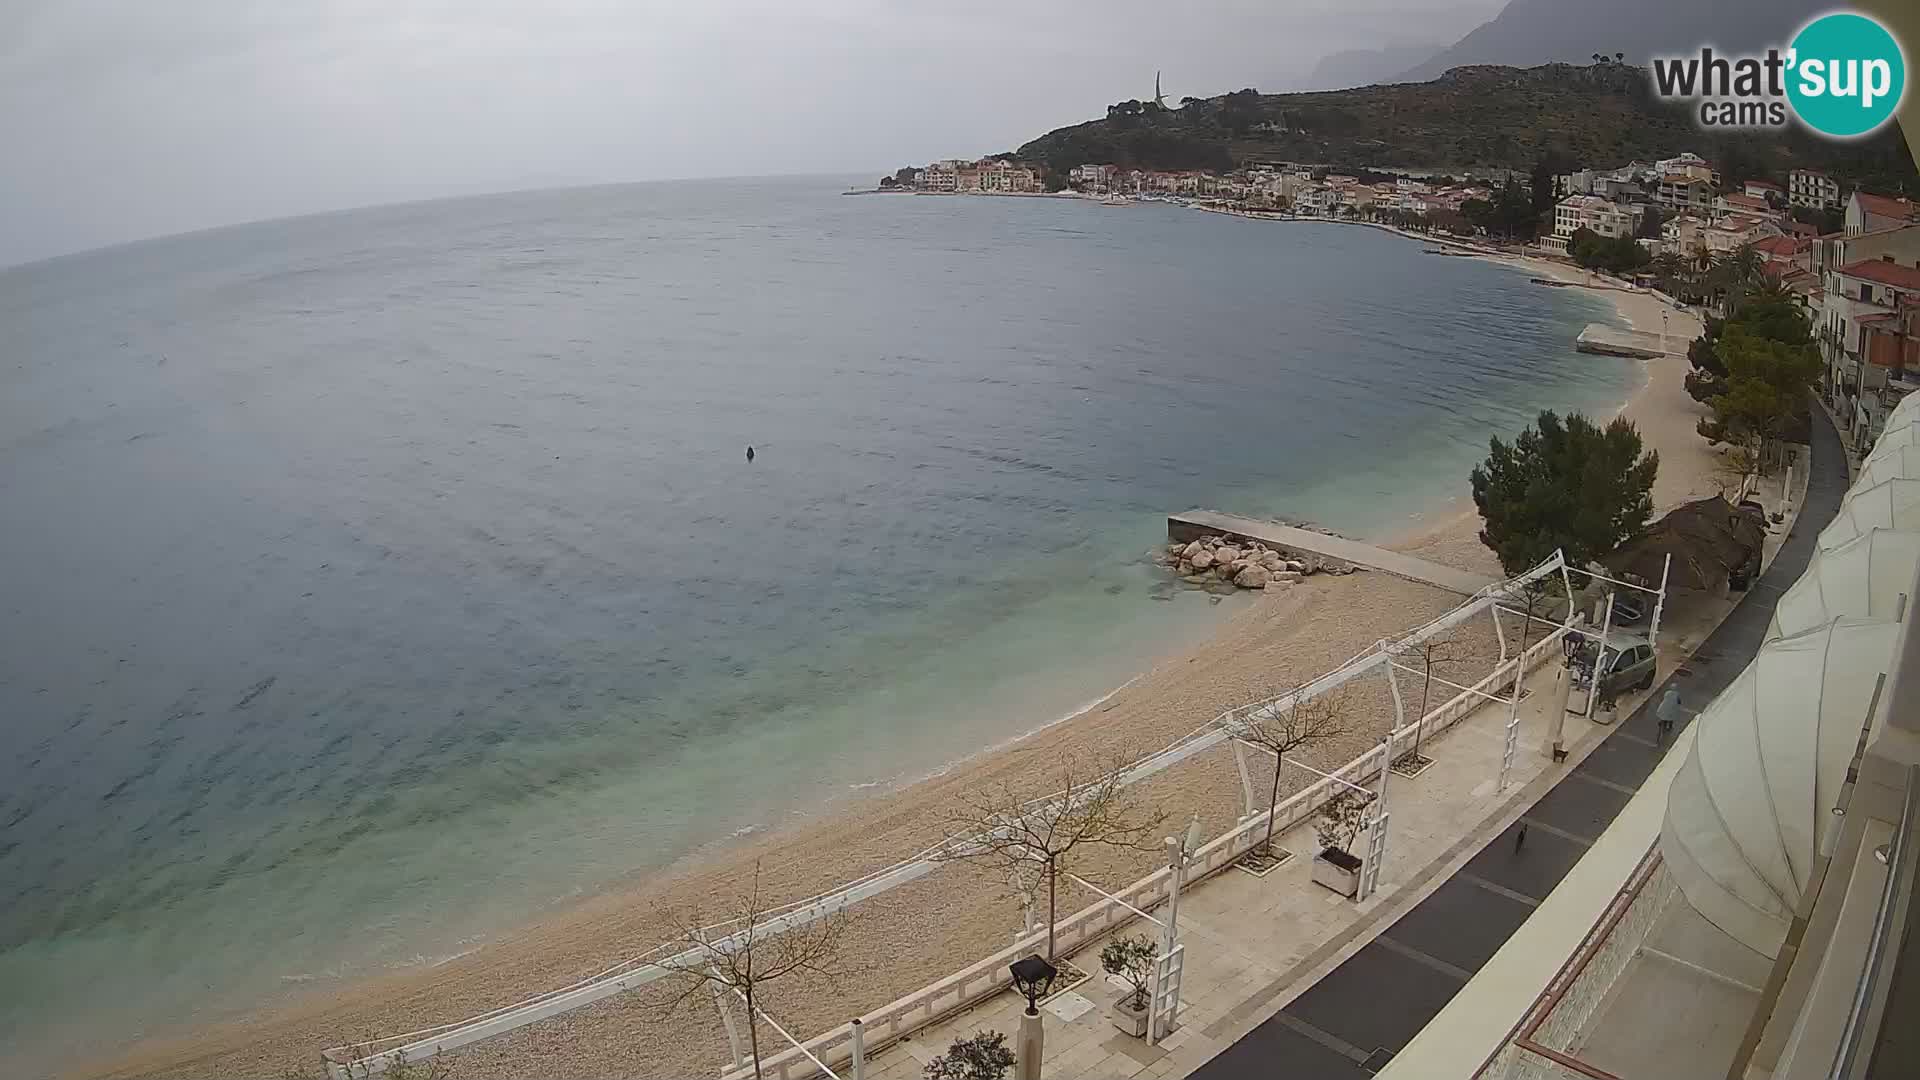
(1619, 58)
(1670, 269)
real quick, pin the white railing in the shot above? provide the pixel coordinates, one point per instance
(964, 988)
(374, 1057)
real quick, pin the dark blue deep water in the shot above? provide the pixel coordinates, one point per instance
(374, 580)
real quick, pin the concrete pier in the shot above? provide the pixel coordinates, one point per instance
(1338, 549)
(1613, 341)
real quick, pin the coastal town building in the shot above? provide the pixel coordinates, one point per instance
(1680, 191)
(1742, 203)
(1765, 189)
(1734, 231)
(1091, 177)
(990, 175)
(1690, 165)
(942, 176)
(1812, 188)
(1858, 298)
(1595, 214)
(1872, 213)
(1683, 235)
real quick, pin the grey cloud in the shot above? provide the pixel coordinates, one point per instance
(125, 120)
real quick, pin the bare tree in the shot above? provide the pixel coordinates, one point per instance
(740, 954)
(1434, 651)
(1282, 731)
(1010, 828)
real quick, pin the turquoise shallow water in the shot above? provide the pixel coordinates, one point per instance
(376, 580)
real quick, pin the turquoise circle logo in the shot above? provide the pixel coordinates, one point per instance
(1847, 75)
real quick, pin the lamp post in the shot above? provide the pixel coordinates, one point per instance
(1178, 852)
(1033, 977)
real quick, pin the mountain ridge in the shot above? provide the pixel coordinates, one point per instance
(1532, 32)
(1476, 117)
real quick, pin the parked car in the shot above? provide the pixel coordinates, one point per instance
(1627, 666)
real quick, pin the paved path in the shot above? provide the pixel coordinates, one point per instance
(1349, 1024)
(1194, 522)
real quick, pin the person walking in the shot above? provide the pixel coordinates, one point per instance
(1668, 713)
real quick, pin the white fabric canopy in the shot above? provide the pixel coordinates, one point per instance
(1862, 578)
(1890, 461)
(1890, 504)
(1905, 412)
(1897, 435)
(1747, 809)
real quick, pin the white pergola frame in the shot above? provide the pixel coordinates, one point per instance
(646, 968)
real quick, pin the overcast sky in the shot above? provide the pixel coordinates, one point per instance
(129, 119)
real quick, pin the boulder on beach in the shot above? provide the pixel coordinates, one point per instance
(1251, 577)
(1299, 567)
(1226, 553)
(1192, 549)
(1201, 560)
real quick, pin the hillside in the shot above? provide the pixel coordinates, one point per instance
(1529, 32)
(1471, 118)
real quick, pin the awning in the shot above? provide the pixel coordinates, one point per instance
(1862, 578)
(1748, 810)
(1891, 461)
(1890, 504)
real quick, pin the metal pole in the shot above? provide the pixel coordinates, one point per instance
(1660, 603)
(1176, 860)
(1599, 660)
(1026, 1055)
(1513, 712)
(1399, 706)
(726, 1019)
(1246, 781)
(859, 1050)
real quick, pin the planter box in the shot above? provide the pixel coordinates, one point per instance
(1338, 871)
(1128, 1019)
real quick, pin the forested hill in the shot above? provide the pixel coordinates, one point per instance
(1483, 117)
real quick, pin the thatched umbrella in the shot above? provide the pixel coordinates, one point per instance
(1706, 537)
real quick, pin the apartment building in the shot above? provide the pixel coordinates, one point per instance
(1811, 187)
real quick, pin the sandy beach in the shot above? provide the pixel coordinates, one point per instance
(920, 932)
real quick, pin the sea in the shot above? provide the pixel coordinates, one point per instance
(375, 581)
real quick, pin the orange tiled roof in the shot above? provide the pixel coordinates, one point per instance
(1884, 272)
(1887, 206)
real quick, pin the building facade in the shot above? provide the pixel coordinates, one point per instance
(1811, 187)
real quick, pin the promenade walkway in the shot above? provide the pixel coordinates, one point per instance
(1287, 981)
(1304, 541)
(1348, 1025)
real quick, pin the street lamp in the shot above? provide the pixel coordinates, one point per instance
(1178, 852)
(1033, 977)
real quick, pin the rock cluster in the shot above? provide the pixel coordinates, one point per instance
(1247, 564)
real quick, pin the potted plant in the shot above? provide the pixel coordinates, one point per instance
(1131, 958)
(980, 1056)
(1336, 828)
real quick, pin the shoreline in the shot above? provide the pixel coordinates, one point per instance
(1269, 641)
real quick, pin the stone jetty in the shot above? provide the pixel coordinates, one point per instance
(1246, 564)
